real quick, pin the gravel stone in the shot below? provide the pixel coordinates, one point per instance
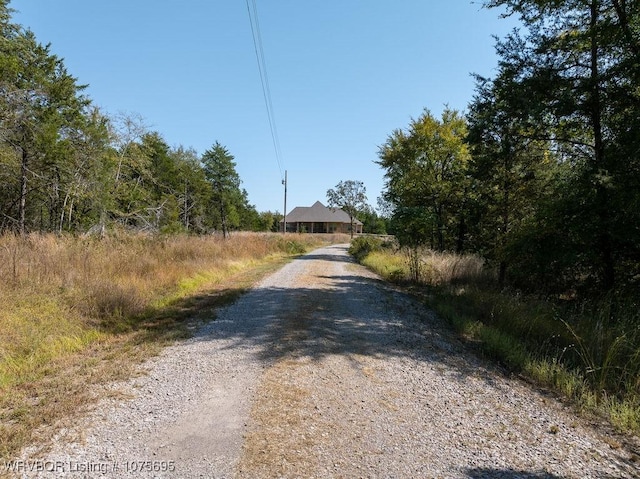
(323, 370)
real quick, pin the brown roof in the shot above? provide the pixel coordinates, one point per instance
(318, 213)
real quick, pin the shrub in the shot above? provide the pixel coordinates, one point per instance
(363, 245)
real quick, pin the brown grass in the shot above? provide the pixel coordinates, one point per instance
(270, 449)
(434, 268)
(77, 313)
(447, 268)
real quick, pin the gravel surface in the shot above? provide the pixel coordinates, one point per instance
(324, 371)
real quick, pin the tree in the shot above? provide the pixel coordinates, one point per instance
(64, 166)
(579, 64)
(248, 217)
(269, 221)
(220, 172)
(427, 184)
(165, 184)
(85, 173)
(509, 172)
(43, 120)
(350, 196)
(195, 191)
(372, 223)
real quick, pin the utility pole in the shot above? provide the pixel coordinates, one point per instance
(284, 221)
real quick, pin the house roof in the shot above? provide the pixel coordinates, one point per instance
(318, 213)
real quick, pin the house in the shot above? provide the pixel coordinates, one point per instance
(320, 219)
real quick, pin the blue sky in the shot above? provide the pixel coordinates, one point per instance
(343, 75)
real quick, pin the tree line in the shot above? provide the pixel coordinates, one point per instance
(541, 176)
(66, 166)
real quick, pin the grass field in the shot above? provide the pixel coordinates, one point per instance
(78, 313)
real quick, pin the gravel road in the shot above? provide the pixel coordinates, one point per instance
(323, 371)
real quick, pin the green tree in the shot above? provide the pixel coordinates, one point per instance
(350, 196)
(130, 174)
(220, 172)
(248, 217)
(269, 221)
(372, 223)
(579, 66)
(510, 173)
(194, 190)
(427, 184)
(85, 173)
(159, 210)
(132, 195)
(44, 120)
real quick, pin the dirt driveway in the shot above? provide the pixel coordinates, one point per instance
(324, 371)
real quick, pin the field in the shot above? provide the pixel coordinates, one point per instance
(77, 313)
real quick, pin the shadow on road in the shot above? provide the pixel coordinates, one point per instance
(342, 312)
(326, 257)
(486, 473)
(339, 314)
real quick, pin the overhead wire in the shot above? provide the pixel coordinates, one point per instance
(264, 80)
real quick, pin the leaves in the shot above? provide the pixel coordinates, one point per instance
(565, 99)
(230, 204)
(426, 180)
(65, 166)
(350, 196)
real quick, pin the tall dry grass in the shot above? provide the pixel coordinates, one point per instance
(78, 311)
(420, 265)
(439, 268)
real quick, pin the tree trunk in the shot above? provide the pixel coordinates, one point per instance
(502, 274)
(440, 228)
(604, 244)
(23, 192)
(462, 231)
(64, 206)
(223, 220)
(505, 217)
(186, 206)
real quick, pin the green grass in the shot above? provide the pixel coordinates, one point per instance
(587, 352)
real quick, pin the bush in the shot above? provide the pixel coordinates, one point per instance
(295, 247)
(390, 266)
(363, 245)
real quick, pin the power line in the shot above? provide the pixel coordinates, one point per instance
(264, 79)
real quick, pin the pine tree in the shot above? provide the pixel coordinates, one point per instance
(220, 172)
